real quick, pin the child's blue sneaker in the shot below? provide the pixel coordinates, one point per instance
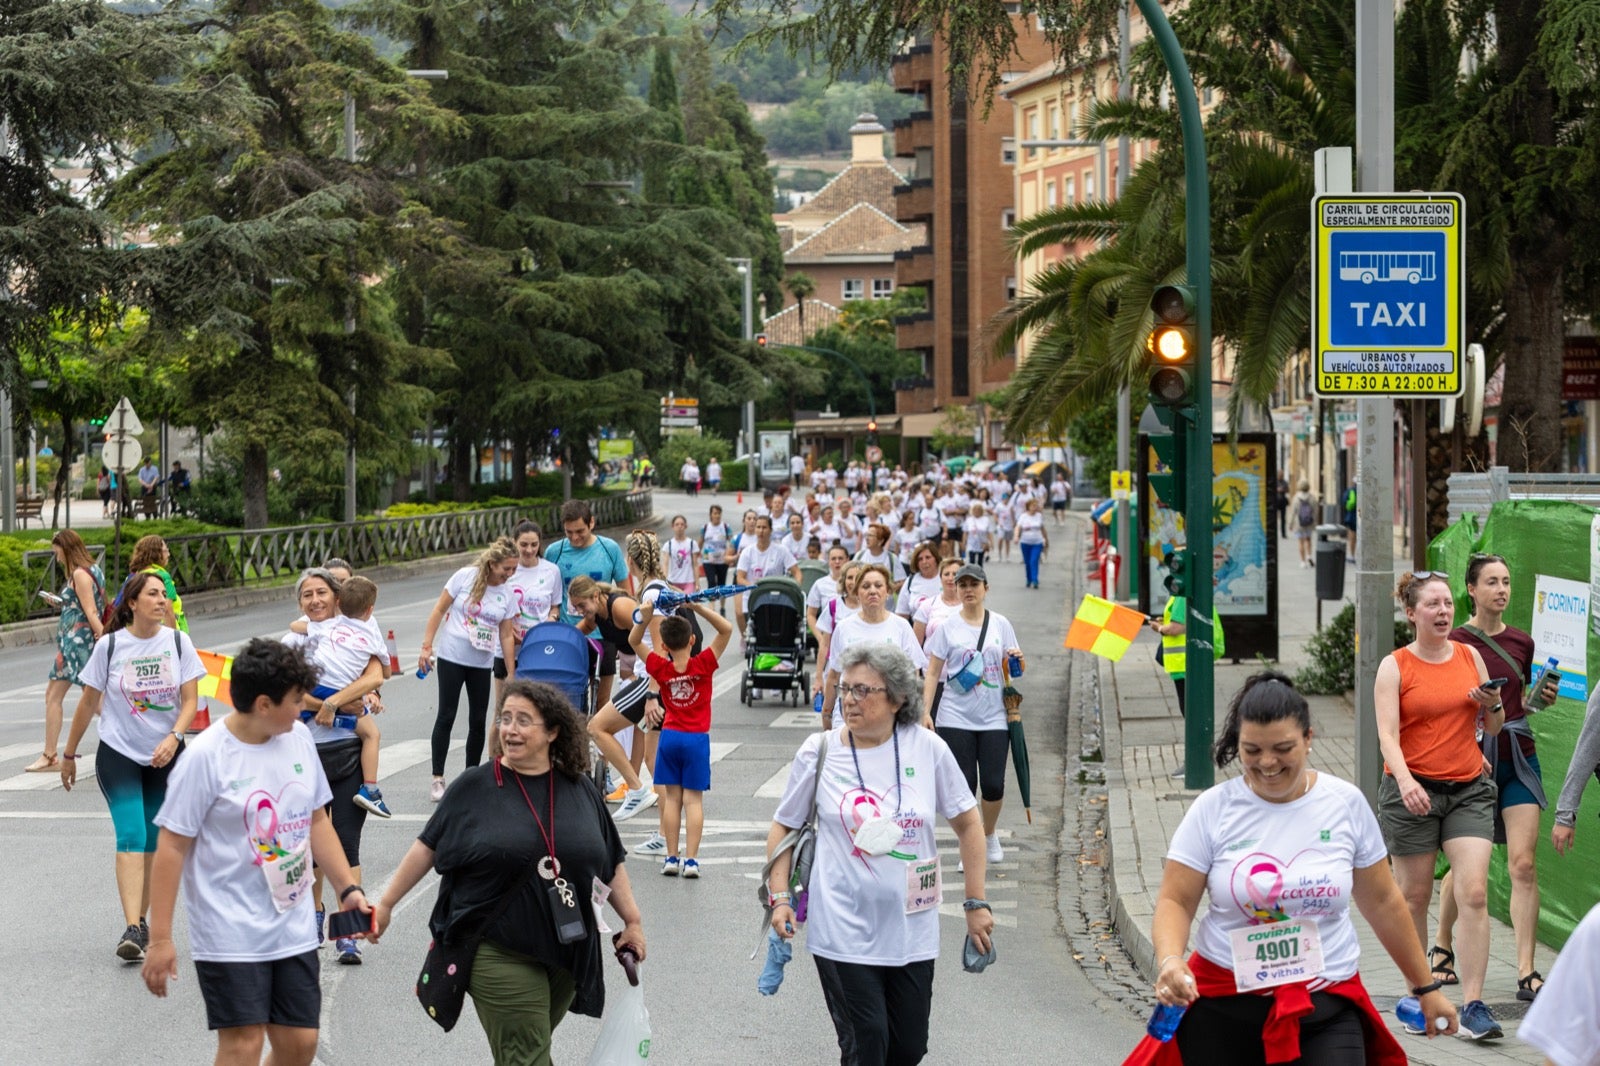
(691, 868)
(371, 798)
(670, 866)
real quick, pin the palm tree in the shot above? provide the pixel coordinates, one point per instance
(800, 286)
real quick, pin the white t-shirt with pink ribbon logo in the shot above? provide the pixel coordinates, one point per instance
(1269, 862)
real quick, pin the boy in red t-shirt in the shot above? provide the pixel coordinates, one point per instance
(683, 753)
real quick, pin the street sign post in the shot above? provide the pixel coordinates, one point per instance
(1121, 484)
(122, 453)
(1388, 283)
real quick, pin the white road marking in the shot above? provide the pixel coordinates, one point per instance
(18, 751)
(404, 754)
(807, 719)
(773, 787)
(50, 782)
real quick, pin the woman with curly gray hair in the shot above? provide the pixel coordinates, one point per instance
(875, 887)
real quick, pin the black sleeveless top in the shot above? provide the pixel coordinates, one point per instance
(608, 629)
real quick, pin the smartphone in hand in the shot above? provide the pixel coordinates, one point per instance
(1493, 683)
(350, 924)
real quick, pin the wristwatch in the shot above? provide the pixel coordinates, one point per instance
(976, 904)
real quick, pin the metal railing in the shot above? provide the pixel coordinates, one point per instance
(245, 557)
(1476, 493)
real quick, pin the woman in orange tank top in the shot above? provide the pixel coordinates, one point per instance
(1436, 792)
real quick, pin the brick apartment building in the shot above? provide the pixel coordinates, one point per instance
(962, 191)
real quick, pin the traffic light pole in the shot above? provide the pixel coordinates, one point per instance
(1200, 675)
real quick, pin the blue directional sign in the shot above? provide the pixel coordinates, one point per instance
(1387, 282)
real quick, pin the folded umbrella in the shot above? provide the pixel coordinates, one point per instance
(1019, 748)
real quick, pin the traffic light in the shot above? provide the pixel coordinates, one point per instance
(872, 431)
(1167, 484)
(97, 423)
(1177, 564)
(761, 340)
(1172, 348)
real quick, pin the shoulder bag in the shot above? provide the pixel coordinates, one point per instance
(803, 843)
(1516, 667)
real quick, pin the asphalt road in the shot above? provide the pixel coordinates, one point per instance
(71, 1001)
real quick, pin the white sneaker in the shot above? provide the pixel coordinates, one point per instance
(656, 845)
(635, 801)
(436, 790)
(996, 852)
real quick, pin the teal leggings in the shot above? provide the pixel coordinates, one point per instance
(134, 793)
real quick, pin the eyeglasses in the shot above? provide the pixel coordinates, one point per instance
(520, 721)
(859, 692)
(1423, 575)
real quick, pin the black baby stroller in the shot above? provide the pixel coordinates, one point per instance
(811, 571)
(775, 641)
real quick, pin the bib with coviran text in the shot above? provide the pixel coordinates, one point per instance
(480, 635)
(1277, 953)
(145, 674)
(924, 887)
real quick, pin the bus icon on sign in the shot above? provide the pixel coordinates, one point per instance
(1368, 267)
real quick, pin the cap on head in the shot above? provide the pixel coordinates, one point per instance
(973, 571)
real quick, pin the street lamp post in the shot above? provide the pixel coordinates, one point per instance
(350, 307)
(746, 269)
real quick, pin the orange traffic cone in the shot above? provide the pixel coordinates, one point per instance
(738, 497)
(394, 653)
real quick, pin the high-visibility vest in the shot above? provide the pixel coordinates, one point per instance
(1174, 649)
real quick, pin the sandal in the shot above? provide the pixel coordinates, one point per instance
(44, 764)
(1525, 990)
(1444, 970)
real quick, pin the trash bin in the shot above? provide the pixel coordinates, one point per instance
(1330, 562)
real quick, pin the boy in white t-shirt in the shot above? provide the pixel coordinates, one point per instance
(243, 820)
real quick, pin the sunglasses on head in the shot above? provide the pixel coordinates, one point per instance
(1423, 575)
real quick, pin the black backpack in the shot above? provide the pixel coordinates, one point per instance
(684, 611)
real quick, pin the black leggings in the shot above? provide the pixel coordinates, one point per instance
(1226, 1031)
(879, 1012)
(980, 753)
(716, 574)
(341, 764)
(451, 677)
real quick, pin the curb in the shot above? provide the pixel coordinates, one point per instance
(1122, 843)
(43, 630)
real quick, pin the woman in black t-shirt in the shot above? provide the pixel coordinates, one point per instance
(1507, 653)
(530, 824)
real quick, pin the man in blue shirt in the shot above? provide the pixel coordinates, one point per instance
(583, 552)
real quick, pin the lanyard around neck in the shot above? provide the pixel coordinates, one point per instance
(550, 836)
(899, 785)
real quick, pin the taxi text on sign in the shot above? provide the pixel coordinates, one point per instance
(1387, 284)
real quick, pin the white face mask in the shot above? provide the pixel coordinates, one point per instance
(877, 835)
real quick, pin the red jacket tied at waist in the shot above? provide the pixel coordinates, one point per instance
(1280, 1035)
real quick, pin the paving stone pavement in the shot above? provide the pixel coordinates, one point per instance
(1143, 745)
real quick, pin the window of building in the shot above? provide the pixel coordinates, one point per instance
(1008, 151)
(1206, 95)
(1053, 122)
(1069, 195)
(854, 288)
(1033, 130)
(882, 288)
(1088, 186)
(1049, 194)
(1011, 289)
(1008, 218)
(1072, 117)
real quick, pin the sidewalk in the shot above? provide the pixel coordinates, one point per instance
(1143, 745)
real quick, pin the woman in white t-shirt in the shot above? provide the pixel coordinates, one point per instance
(964, 693)
(871, 624)
(243, 820)
(1282, 843)
(680, 555)
(143, 680)
(1032, 540)
(473, 615)
(873, 898)
(837, 607)
(535, 591)
(979, 531)
(876, 552)
(714, 538)
(1005, 525)
(904, 540)
(933, 610)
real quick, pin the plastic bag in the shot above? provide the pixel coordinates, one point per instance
(624, 1038)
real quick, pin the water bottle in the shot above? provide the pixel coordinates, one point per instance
(816, 702)
(1164, 1022)
(1535, 699)
(425, 669)
(1409, 1013)
(1014, 665)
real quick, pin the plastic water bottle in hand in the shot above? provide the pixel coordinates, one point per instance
(1164, 1021)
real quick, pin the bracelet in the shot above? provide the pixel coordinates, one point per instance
(1164, 959)
(153, 943)
(1422, 990)
(976, 904)
(69, 758)
(352, 888)
(777, 897)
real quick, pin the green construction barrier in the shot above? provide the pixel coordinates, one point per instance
(1549, 537)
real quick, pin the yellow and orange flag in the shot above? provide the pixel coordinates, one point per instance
(215, 688)
(1103, 628)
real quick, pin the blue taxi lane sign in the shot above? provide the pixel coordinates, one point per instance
(1388, 314)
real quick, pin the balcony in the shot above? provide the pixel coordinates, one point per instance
(912, 70)
(913, 201)
(912, 384)
(914, 266)
(913, 132)
(914, 330)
